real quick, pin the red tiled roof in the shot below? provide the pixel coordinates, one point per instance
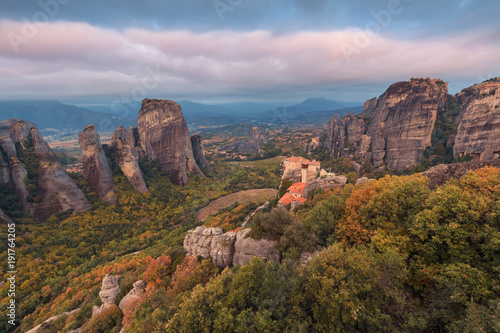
(297, 188)
(288, 199)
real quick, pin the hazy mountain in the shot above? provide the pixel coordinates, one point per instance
(245, 108)
(53, 114)
(319, 104)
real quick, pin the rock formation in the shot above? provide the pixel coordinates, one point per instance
(127, 157)
(51, 319)
(96, 166)
(198, 152)
(108, 294)
(165, 138)
(324, 182)
(246, 248)
(227, 249)
(393, 130)
(56, 189)
(442, 173)
(478, 132)
(369, 106)
(136, 293)
(200, 241)
(223, 252)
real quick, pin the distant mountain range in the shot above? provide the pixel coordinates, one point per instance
(54, 114)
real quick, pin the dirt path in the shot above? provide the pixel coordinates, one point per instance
(241, 197)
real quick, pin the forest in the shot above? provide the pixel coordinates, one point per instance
(391, 255)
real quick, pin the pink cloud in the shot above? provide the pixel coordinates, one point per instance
(76, 59)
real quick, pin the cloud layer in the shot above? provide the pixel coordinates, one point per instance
(65, 60)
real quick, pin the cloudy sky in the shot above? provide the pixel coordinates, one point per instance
(228, 50)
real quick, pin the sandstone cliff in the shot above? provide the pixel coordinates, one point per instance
(165, 138)
(56, 189)
(393, 130)
(478, 132)
(127, 157)
(198, 152)
(96, 166)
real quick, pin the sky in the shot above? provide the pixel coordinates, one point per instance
(214, 51)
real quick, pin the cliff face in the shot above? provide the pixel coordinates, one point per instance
(393, 130)
(56, 189)
(127, 158)
(96, 167)
(478, 132)
(199, 155)
(165, 138)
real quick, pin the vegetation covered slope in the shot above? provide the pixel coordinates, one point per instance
(394, 256)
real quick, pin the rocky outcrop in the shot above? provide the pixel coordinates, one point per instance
(441, 174)
(136, 293)
(362, 180)
(478, 132)
(96, 166)
(165, 138)
(211, 243)
(393, 130)
(56, 189)
(369, 106)
(228, 249)
(127, 157)
(108, 294)
(200, 241)
(198, 152)
(324, 182)
(346, 135)
(51, 319)
(223, 252)
(246, 248)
